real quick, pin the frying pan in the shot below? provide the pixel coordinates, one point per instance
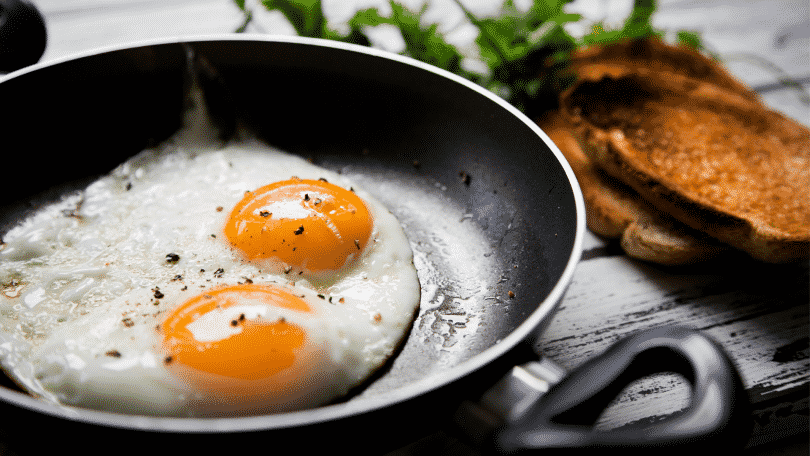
(491, 209)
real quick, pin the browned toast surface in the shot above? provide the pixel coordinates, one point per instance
(715, 159)
(657, 56)
(615, 210)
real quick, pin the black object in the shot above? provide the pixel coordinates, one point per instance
(22, 35)
(519, 416)
(491, 207)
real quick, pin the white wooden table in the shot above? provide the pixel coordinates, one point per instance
(760, 315)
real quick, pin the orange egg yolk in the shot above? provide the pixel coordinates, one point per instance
(307, 224)
(228, 332)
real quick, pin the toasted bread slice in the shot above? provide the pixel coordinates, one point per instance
(668, 242)
(654, 55)
(614, 210)
(714, 159)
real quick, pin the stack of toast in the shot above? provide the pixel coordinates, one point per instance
(681, 161)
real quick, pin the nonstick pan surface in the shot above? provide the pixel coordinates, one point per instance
(492, 211)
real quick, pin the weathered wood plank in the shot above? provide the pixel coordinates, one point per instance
(75, 26)
(757, 312)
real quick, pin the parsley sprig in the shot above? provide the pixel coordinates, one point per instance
(527, 53)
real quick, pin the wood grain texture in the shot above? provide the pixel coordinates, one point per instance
(758, 313)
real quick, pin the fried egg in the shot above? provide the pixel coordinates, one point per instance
(204, 280)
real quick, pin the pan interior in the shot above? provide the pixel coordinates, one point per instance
(488, 210)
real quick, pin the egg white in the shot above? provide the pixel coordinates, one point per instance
(86, 281)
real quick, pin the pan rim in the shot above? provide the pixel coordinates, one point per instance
(335, 411)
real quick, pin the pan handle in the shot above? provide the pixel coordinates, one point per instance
(524, 412)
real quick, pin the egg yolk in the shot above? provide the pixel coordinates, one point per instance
(307, 224)
(228, 332)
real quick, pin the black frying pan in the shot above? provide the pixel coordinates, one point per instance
(487, 201)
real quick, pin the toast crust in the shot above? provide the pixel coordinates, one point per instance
(717, 160)
(656, 56)
(668, 243)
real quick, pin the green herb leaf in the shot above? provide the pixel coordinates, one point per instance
(369, 18)
(527, 52)
(246, 20)
(424, 42)
(305, 15)
(691, 39)
(638, 24)
(601, 36)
